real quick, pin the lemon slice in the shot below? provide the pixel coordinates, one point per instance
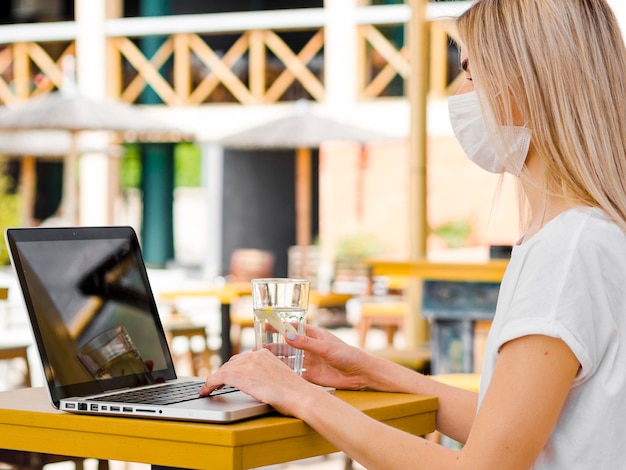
(273, 318)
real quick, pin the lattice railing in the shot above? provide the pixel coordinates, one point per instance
(259, 66)
(244, 71)
(29, 69)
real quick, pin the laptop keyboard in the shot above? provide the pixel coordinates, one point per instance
(164, 395)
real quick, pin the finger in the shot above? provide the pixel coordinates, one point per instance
(212, 382)
(320, 333)
(218, 379)
(208, 388)
(308, 343)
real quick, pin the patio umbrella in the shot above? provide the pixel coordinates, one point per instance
(69, 111)
(302, 131)
(32, 145)
(47, 144)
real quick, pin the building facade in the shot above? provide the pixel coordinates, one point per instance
(218, 68)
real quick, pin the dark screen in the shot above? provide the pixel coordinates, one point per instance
(83, 286)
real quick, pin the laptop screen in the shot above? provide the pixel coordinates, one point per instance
(91, 308)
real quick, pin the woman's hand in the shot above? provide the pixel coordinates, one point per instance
(265, 377)
(329, 361)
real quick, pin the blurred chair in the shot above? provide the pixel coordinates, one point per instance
(303, 262)
(246, 264)
(17, 352)
(199, 359)
(190, 321)
(387, 312)
(12, 351)
(249, 263)
(241, 318)
(351, 276)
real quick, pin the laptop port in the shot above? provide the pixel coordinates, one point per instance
(128, 409)
(115, 408)
(70, 406)
(93, 407)
(82, 406)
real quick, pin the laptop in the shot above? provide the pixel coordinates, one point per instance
(98, 330)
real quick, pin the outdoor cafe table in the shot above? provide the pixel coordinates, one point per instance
(423, 269)
(490, 271)
(29, 423)
(226, 294)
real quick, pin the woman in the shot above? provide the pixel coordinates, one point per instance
(543, 99)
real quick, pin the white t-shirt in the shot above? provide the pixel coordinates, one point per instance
(569, 282)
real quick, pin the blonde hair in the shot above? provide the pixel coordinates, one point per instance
(561, 65)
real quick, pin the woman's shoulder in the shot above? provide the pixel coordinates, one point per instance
(590, 225)
(580, 224)
(585, 234)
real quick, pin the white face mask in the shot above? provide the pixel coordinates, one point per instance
(470, 130)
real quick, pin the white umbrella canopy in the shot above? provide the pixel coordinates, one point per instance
(48, 144)
(301, 131)
(69, 111)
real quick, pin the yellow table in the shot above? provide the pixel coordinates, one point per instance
(468, 381)
(402, 271)
(490, 271)
(28, 422)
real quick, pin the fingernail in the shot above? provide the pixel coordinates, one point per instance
(291, 336)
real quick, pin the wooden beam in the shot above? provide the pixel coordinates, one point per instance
(303, 196)
(417, 328)
(21, 70)
(182, 67)
(257, 64)
(28, 182)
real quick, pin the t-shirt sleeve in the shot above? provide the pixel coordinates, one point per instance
(565, 295)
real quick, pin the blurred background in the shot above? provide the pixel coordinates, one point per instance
(215, 71)
(298, 138)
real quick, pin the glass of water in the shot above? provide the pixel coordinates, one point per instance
(280, 306)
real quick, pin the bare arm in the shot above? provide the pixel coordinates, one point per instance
(528, 390)
(361, 370)
(525, 397)
(457, 407)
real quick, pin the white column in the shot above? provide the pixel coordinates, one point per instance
(95, 198)
(619, 8)
(213, 182)
(91, 47)
(340, 58)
